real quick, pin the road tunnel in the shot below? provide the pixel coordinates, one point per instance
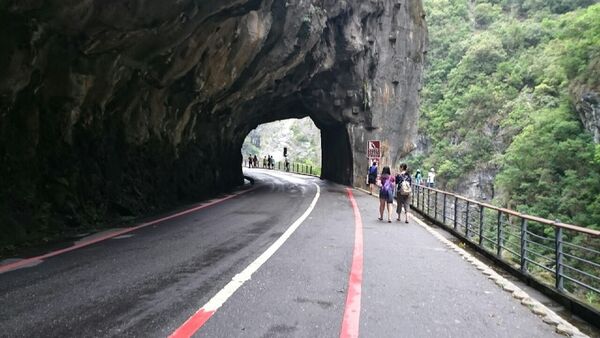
(115, 109)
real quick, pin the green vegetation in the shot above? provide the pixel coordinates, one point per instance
(300, 136)
(498, 98)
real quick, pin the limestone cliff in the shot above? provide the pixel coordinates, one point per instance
(585, 93)
(112, 108)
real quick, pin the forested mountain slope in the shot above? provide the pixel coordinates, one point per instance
(510, 104)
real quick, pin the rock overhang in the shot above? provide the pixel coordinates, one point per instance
(149, 101)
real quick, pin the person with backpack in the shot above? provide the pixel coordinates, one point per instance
(386, 193)
(404, 190)
(372, 177)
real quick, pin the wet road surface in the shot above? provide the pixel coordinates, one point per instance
(148, 282)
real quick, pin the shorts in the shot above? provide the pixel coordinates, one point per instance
(386, 196)
(403, 201)
(372, 179)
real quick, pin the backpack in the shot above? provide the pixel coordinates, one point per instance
(404, 187)
(373, 170)
(388, 186)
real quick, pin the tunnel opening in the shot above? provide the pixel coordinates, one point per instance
(322, 150)
(300, 138)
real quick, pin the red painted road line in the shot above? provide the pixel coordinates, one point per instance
(193, 324)
(350, 323)
(18, 264)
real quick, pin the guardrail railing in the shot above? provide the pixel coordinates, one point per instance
(564, 257)
(298, 168)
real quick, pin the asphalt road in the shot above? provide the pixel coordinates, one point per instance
(148, 282)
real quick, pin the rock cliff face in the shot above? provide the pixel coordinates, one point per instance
(588, 107)
(586, 96)
(111, 108)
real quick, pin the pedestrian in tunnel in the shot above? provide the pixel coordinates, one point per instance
(386, 193)
(264, 162)
(403, 182)
(255, 161)
(372, 177)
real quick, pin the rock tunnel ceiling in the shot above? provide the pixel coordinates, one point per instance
(130, 105)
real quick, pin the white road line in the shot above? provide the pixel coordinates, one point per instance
(238, 280)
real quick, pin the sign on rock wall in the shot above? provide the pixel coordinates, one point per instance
(374, 149)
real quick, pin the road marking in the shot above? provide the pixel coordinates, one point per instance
(351, 321)
(31, 261)
(197, 320)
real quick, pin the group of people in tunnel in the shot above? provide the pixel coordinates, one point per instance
(398, 187)
(268, 162)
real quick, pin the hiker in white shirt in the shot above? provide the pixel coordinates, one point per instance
(431, 178)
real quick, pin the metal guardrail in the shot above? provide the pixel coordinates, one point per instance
(292, 167)
(564, 257)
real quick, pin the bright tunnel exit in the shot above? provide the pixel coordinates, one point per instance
(300, 138)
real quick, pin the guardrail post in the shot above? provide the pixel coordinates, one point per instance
(428, 200)
(467, 221)
(558, 269)
(523, 245)
(481, 225)
(444, 210)
(499, 233)
(435, 214)
(311, 170)
(279, 165)
(423, 199)
(415, 199)
(455, 212)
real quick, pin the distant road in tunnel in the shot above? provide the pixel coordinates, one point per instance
(150, 281)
